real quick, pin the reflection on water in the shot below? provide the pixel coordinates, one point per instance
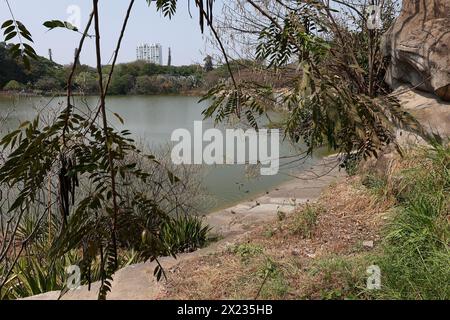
(152, 119)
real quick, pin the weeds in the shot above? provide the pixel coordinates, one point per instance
(247, 250)
(305, 221)
(414, 256)
(274, 285)
(415, 261)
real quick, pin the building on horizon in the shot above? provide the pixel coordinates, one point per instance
(150, 53)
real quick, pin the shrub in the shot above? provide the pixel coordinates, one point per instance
(305, 221)
(13, 85)
(47, 84)
(184, 234)
(247, 250)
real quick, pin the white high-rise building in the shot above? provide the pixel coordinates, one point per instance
(150, 53)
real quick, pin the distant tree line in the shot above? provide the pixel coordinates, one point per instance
(15, 76)
(146, 78)
(45, 76)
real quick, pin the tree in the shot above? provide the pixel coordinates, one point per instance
(10, 70)
(335, 99)
(87, 82)
(122, 84)
(14, 69)
(47, 84)
(208, 64)
(13, 85)
(79, 148)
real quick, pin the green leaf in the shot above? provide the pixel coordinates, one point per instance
(172, 178)
(9, 30)
(10, 36)
(118, 117)
(52, 24)
(7, 23)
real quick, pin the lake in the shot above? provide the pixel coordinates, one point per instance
(152, 119)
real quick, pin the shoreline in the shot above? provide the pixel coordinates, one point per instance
(12, 94)
(136, 282)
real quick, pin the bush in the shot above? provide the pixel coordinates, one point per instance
(87, 82)
(13, 85)
(305, 221)
(184, 234)
(47, 84)
(121, 84)
(247, 251)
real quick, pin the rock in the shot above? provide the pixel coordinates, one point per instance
(433, 114)
(419, 47)
(368, 244)
(311, 255)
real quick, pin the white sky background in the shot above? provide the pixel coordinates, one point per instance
(182, 33)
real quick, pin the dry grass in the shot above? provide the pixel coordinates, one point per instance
(273, 262)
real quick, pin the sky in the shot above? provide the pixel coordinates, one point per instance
(146, 25)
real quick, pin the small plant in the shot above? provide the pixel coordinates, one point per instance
(274, 285)
(305, 221)
(377, 185)
(281, 215)
(351, 164)
(247, 250)
(269, 233)
(184, 234)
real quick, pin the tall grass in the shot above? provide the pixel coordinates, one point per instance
(415, 259)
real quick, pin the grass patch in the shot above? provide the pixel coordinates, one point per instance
(274, 285)
(305, 221)
(416, 255)
(247, 250)
(335, 278)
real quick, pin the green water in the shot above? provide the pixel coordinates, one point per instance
(152, 119)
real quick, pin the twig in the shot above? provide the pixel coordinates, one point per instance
(262, 285)
(72, 73)
(105, 130)
(116, 53)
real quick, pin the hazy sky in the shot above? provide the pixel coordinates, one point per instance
(182, 33)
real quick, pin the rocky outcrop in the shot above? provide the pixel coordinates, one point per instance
(434, 115)
(419, 46)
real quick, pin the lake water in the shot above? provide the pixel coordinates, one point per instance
(152, 119)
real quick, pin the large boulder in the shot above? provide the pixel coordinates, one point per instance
(419, 46)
